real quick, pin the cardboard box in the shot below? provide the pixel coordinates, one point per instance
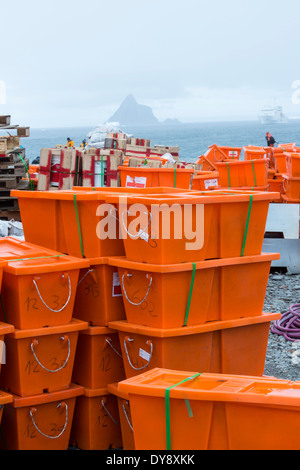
(59, 168)
(100, 168)
(116, 135)
(150, 163)
(139, 142)
(113, 143)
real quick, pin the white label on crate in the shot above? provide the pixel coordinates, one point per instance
(137, 182)
(144, 355)
(140, 181)
(129, 182)
(233, 154)
(208, 183)
(116, 290)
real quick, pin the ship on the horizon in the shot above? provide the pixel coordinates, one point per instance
(272, 115)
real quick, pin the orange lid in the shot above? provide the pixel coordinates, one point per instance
(195, 197)
(142, 169)
(5, 398)
(6, 329)
(46, 263)
(122, 262)
(74, 325)
(117, 190)
(115, 390)
(12, 248)
(192, 330)
(49, 397)
(214, 387)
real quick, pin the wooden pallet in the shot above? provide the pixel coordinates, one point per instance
(12, 156)
(10, 182)
(9, 204)
(15, 169)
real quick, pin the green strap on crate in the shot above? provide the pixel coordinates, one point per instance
(175, 177)
(35, 257)
(78, 225)
(190, 295)
(228, 172)
(253, 170)
(167, 408)
(27, 169)
(247, 225)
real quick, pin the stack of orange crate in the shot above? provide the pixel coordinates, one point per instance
(38, 294)
(190, 309)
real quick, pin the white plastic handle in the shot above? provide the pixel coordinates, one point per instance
(43, 367)
(47, 306)
(126, 415)
(108, 341)
(45, 435)
(111, 417)
(128, 358)
(141, 232)
(147, 293)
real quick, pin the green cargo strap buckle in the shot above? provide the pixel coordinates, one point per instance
(167, 407)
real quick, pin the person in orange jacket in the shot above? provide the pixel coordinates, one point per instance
(70, 142)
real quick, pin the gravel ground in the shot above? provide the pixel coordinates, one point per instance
(283, 357)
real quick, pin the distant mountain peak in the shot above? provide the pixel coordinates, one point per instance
(132, 113)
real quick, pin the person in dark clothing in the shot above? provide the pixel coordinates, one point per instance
(270, 140)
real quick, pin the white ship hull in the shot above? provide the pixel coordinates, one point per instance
(272, 115)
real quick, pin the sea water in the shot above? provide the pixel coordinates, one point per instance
(193, 139)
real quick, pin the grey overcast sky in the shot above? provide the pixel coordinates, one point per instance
(71, 63)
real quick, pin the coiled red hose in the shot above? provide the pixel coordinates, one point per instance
(289, 324)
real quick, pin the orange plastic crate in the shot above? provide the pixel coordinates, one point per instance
(231, 152)
(99, 295)
(291, 187)
(141, 177)
(223, 217)
(96, 423)
(175, 410)
(205, 180)
(125, 416)
(249, 173)
(98, 359)
(40, 422)
(40, 291)
(5, 329)
(253, 153)
(293, 165)
(40, 359)
(4, 399)
(229, 347)
(170, 296)
(280, 162)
